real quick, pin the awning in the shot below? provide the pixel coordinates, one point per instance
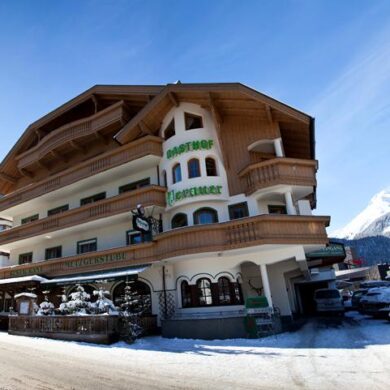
(96, 277)
(32, 278)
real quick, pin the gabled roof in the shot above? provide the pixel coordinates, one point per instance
(205, 94)
(151, 104)
(8, 171)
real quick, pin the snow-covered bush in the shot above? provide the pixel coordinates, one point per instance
(103, 304)
(78, 304)
(46, 307)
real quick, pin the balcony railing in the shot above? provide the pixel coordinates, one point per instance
(242, 233)
(113, 115)
(148, 196)
(276, 171)
(145, 146)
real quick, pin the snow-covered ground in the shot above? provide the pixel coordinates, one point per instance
(353, 353)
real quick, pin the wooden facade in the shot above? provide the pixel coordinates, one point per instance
(246, 232)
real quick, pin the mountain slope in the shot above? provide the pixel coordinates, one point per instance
(374, 220)
(371, 250)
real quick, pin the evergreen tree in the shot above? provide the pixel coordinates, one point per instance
(132, 306)
(46, 307)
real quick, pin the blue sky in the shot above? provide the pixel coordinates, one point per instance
(330, 59)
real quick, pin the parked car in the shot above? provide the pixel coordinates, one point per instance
(375, 302)
(374, 283)
(329, 300)
(356, 297)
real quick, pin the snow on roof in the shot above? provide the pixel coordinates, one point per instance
(32, 278)
(25, 294)
(107, 275)
(349, 272)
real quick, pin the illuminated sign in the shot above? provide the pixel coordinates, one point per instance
(204, 144)
(175, 196)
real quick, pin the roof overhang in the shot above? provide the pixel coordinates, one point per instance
(203, 94)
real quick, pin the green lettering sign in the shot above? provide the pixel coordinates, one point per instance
(203, 144)
(175, 196)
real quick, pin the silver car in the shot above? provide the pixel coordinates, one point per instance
(329, 300)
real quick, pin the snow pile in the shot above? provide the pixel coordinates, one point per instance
(325, 354)
(374, 220)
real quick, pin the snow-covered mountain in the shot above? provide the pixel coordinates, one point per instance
(374, 220)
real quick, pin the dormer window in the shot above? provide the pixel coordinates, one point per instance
(193, 121)
(170, 130)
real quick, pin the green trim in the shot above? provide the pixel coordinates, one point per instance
(31, 218)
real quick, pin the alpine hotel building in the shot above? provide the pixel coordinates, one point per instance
(227, 173)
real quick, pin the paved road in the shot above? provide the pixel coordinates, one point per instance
(324, 354)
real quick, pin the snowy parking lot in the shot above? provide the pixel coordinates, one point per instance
(352, 353)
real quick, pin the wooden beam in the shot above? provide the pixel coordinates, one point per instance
(145, 128)
(39, 133)
(25, 172)
(101, 137)
(58, 155)
(95, 102)
(8, 178)
(173, 98)
(218, 119)
(42, 165)
(76, 146)
(268, 111)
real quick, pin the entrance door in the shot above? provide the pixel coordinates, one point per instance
(306, 296)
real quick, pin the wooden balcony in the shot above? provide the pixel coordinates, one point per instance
(112, 117)
(149, 145)
(276, 171)
(242, 233)
(148, 196)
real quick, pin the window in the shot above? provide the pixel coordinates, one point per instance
(204, 292)
(224, 291)
(86, 246)
(186, 298)
(134, 185)
(193, 121)
(205, 215)
(276, 209)
(53, 253)
(193, 168)
(211, 167)
(179, 220)
(25, 258)
(170, 130)
(32, 218)
(58, 210)
(176, 173)
(164, 175)
(134, 237)
(238, 210)
(93, 198)
(238, 293)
